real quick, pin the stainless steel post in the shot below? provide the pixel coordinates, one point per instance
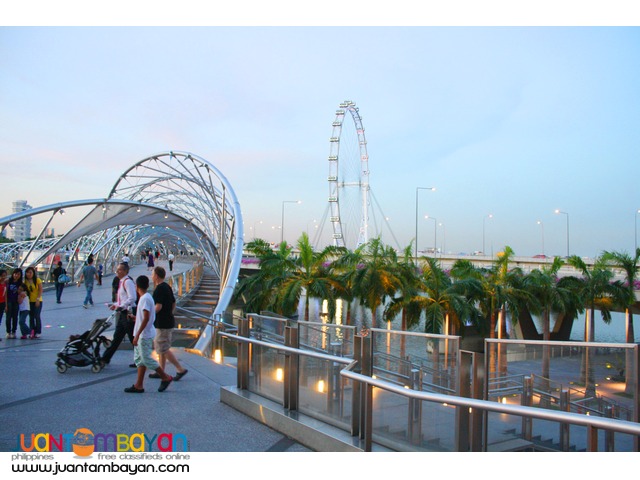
(565, 406)
(291, 370)
(609, 438)
(527, 400)
(355, 399)
(243, 355)
(463, 389)
(367, 397)
(415, 409)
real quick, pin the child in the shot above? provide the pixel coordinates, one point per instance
(23, 311)
(143, 335)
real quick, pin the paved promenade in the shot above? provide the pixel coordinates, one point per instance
(35, 398)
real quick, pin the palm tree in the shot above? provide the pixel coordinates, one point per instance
(403, 303)
(308, 275)
(629, 265)
(551, 297)
(442, 297)
(259, 290)
(596, 290)
(343, 268)
(376, 279)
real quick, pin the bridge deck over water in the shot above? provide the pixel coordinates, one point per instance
(35, 398)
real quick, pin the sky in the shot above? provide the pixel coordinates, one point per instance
(511, 122)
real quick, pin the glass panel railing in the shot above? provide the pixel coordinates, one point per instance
(267, 328)
(327, 337)
(587, 378)
(400, 356)
(323, 393)
(407, 416)
(266, 373)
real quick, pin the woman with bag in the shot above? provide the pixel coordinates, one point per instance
(60, 278)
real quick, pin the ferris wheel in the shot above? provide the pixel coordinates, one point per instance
(349, 178)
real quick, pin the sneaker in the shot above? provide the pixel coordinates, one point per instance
(85, 306)
(23, 337)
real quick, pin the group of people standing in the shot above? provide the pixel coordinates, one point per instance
(21, 297)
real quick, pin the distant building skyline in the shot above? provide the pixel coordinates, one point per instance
(21, 228)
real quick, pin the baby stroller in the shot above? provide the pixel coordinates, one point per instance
(84, 350)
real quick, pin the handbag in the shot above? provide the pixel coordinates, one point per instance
(64, 278)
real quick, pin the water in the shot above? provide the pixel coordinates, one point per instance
(614, 332)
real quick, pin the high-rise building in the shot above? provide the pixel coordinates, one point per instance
(21, 228)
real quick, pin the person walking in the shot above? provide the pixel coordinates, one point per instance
(3, 293)
(89, 274)
(34, 290)
(143, 336)
(12, 302)
(57, 273)
(171, 258)
(165, 305)
(125, 303)
(150, 262)
(100, 272)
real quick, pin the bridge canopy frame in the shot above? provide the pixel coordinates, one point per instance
(173, 197)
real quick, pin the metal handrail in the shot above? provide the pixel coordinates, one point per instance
(284, 348)
(620, 426)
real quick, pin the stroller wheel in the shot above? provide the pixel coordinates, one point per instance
(62, 367)
(96, 367)
(106, 342)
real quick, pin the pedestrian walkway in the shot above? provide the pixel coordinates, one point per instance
(35, 398)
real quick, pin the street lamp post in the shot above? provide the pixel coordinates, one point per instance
(542, 226)
(417, 191)
(255, 235)
(435, 233)
(565, 213)
(484, 229)
(636, 232)
(444, 238)
(282, 224)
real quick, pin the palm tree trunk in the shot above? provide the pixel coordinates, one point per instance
(403, 327)
(492, 351)
(629, 370)
(587, 368)
(546, 354)
(306, 307)
(502, 357)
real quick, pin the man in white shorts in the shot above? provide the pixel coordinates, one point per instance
(143, 335)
